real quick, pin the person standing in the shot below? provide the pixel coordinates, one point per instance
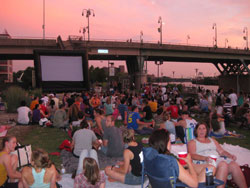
(234, 100)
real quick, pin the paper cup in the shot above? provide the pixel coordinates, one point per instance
(182, 155)
(214, 157)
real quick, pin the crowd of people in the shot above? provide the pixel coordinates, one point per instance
(161, 112)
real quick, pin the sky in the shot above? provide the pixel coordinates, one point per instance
(119, 20)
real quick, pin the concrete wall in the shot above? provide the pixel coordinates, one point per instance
(230, 81)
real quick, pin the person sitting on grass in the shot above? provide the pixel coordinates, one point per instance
(36, 114)
(23, 114)
(134, 122)
(91, 176)
(129, 170)
(112, 139)
(83, 139)
(42, 174)
(8, 163)
(60, 117)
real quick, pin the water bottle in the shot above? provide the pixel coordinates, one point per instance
(209, 177)
(62, 169)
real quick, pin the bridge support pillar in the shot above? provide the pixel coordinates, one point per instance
(238, 82)
(135, 65)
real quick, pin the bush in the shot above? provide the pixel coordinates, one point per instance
(36, 93)
(13, 97)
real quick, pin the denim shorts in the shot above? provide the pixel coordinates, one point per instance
(131, 179)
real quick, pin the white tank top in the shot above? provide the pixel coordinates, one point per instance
(206, 149)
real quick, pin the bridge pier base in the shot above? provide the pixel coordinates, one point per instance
(236, 82)
(135, 65)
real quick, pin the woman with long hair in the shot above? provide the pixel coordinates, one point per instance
(91, 176)
(8, 162)
(42, 174)
(159, 159)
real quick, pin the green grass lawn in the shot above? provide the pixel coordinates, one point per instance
(49, 139)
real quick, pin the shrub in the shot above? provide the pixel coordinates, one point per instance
(13, 97)
(36, 93)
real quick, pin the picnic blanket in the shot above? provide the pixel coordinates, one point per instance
(227, 134)
(67, 182)
(4, 129)
(240, 152)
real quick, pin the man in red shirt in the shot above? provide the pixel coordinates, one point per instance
(174, 110)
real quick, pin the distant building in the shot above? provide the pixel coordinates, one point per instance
(6, 66)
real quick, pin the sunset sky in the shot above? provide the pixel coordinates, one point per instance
(124, 19)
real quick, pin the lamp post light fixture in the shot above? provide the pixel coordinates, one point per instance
(226, 42)
(160, 29)
(83, 30)
(245, 30)
(141, 36)
(88, 13)
(158, 63)
(215, 34)
(188, 37)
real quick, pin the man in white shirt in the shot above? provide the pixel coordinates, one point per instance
(234, 100)
(24, 113)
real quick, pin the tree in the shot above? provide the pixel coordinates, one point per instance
(97, 74)
(26, 80)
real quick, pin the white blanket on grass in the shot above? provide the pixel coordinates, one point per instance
(242, 155)
(68, 182)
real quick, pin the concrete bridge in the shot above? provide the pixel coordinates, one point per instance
(231, 63)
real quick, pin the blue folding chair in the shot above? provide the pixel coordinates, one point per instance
(159, 169)
(189, 135)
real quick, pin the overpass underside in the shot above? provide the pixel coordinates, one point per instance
(229, 62)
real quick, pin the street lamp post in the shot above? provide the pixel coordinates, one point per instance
(110, 73)
(83, 30)
(245, 30)
(188, 37)
(226, 42)
(141, 36)
(160, 29)
(215, 34)
(43, 19)
(88, 12)
(158, 63)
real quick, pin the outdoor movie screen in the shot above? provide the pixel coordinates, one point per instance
(61, 71)
(61, 68)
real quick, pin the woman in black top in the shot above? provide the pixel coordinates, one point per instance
(129, 170)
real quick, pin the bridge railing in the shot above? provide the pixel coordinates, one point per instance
(130, 40)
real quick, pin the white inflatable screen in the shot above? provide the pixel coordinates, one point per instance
(61, 68)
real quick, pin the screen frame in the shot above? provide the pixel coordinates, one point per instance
(61, 86)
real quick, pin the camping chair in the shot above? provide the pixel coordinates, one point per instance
(153, 166)
(189, 135)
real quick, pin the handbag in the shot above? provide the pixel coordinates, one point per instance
(23, 153)
(246, 171)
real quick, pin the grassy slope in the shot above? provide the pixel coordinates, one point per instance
(50, 138)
